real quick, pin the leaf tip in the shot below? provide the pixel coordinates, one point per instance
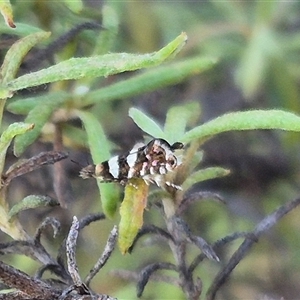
(184, 36)
(7, 13)
(11, 23)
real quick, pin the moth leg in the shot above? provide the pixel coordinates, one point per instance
(148, 181)
(177, 187)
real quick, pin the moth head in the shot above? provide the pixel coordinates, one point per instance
(177, 146)
(99, 169)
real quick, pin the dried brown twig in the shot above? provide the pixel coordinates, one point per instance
(72, 287)
(245, 247)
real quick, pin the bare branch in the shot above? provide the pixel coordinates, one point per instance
(71, 262)
(34, 288)
(146, 229)
(34, 61)
(109, 247)
(134, 276)
(182, 232)
(28, 248)
(217, 245)
(85, 221)
(49, 221)
(71, 249)
(148, 271)
(33, 163)
(61, 182)
(57, 269)
(241, 252)
(199, 196)
(206, 248)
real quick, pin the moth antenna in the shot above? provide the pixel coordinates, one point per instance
(77, 163)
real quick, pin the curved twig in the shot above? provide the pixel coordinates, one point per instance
(109, 247)
(199, 196)
(221, 242)
(150, 229)
(85, 221)
(244, 248)
(148, 271)
(49, 221)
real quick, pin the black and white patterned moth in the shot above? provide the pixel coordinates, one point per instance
(151, 162)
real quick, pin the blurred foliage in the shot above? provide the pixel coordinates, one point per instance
(254, 48)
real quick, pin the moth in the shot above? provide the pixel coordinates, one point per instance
(151, 162)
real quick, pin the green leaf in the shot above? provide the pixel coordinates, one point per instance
(231, 11)
(149, 80)
(74, 135)
(7, 136)
(147, 124)
(25, 105)
(21, 30)
(7, 13)
(100, 151)
(177, 119)
(204, 174)
(195, 160)
(284, 85)
(131, 212)
(107, 36)
(74, 5)
(246, 120)
(16, 53)
(13, 228)
(39, 115)
(97, 140)
(255, 60)
(32, 201)
(96, 66)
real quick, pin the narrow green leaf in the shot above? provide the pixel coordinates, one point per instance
(231, 11)
(7, 136)
(107, 36)
(7, 13)
(204, 174)
(74, 136)
(284, 85)
(13, 228)
(100, 151)
(25, 105)
(32, 201)
(74, 5)
(131, 212)
(147, 124)
(246, 120)
(21, 29)
(5, 93)
(195, 160)
(255, 60)
(96, 66)
(149, 80)
(177, 119)
(16, 53)
(97, 140)
(39, 115)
